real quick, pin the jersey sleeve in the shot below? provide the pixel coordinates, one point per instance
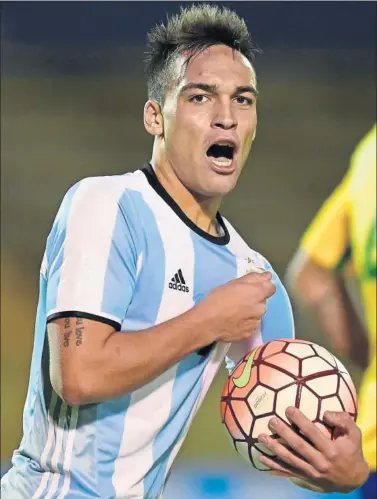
(277, 323)
(326, 241)
(91, 255)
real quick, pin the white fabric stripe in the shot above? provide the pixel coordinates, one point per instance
(42, 485)
(139, 264)
(140, 430)
(57, 451)
(244, 254)
(68, 451)
(48, 445)
(44, 265)
(70, 295)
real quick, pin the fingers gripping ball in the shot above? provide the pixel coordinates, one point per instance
(277, 375)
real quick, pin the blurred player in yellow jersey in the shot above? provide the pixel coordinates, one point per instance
(342, 235)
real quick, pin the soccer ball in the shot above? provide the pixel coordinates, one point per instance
(277, 375)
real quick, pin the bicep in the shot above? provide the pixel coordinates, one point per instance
(74, 343)
(309, 280)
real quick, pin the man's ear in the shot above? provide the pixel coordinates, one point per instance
(153, 119)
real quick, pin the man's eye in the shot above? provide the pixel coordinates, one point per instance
(198, 98)
(244, 101)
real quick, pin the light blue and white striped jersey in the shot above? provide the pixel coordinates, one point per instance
(122, 252)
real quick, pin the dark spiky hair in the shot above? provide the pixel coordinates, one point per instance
(191, 31)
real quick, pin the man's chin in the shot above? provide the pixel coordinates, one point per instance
(220, 185)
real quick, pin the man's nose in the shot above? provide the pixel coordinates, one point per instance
(224, 118)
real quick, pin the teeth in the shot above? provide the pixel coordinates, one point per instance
(222, 162)
(228, 144)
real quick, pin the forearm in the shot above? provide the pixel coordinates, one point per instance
(325, 294)
(130, 360)
(337, 316)
(127, 360)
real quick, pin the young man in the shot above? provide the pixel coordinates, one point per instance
(145, 289)
(344, 231)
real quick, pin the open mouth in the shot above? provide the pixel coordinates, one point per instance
(221, 154)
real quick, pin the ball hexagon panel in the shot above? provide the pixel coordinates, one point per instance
(348, 395)
(325, 385)
(286, 362)
(314, 365)
(244, 416)
(261, 426)
(309, 404)
(232, 426)
(273, 348)
(263, 449)
(300, 350)
(284, 399)
(330, 404)
(274, 378)
(256, 455)
(327, 356)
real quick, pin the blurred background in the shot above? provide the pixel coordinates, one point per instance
(72, 96)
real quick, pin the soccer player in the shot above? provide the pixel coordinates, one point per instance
(343, 233)
(146, 289)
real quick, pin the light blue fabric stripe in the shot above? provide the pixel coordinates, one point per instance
(55, 248)
(35, 370)
(278, 322)
(119, 283)
(208, 259)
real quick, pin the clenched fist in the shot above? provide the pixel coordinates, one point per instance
(235, 310)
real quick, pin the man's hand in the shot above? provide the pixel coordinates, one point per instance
(328, 465)
(235, 310)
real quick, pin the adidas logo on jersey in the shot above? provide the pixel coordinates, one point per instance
(178, 282)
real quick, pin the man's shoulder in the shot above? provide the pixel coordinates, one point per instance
(99, 198)
(110, 187)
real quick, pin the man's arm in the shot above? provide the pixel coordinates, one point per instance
(325, 292)
(316, 276)
(91, 362)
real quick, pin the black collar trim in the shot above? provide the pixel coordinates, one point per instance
(162, 192)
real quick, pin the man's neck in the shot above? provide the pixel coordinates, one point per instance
(201, 211)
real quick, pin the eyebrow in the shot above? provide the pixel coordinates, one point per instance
(213, 88)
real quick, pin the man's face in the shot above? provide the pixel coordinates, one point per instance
(210, 120)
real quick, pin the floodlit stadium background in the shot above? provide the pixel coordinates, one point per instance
(72, 95)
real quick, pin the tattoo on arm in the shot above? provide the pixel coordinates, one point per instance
(68, 328)
(79, 331)
(67, 332)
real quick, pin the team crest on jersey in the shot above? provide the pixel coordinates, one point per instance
(251, 267)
